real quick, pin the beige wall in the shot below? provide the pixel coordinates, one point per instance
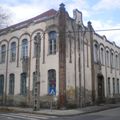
(51, 61)
(76, 73)
(106, 70)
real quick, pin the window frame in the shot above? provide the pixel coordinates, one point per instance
(107, 58)
(109, 87)
(52, 42)
(102, 55)
(11, 84)
(3, 53)
(2, 85)
(112, 59)
(23, 84)
(96, 53)
(51, 80)
(35, 47)
(13, 52)
(113, 86)
(118, 86)
(24, 48)
(116, 61)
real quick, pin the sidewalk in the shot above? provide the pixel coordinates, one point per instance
(62, 112)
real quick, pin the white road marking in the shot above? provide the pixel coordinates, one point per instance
(16, 116)
(35, 115)
(10, 118)
(27, 116)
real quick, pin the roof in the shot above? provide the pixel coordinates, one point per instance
(43, 16)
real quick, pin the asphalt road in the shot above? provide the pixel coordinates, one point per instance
(112, 114)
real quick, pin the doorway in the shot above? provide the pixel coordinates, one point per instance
(101, 96)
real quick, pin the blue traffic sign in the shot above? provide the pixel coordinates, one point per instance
(52, 91)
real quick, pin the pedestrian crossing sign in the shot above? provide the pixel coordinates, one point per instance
(52, 91)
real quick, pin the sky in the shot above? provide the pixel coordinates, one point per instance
(104, 14)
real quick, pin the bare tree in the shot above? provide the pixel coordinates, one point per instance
(4, 17)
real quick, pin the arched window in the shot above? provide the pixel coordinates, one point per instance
(37, 43)
(112, 62)
(109, 88)
(23, 84)
(107, 58)
(52, 42)
(102, 56)
(116, 62)
(24, 51)
(3, 53)
(13, 52)
(87, 53)
(1, 84)
(95, 53)
(119, 61)
(113, 86)
(118, 86)
(52, 81)
(11, 84)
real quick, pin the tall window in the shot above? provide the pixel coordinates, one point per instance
(52, 81)
(113, 86)
(11, 84)
(95, 53)
(107, 58)
(1, 84)
(13, 51)
(112, 63)
(24, 51)
(52, 42)
(37, 43)
(109, 90)
(23, 84)
(116, 62)
(102, 56)
(119, 61)
(118, 86)
(3, 53)
(87, 54)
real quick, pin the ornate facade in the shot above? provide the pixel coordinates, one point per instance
(77, 66)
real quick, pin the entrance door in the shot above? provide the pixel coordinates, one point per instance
(100, 89)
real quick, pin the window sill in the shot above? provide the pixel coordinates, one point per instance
(11, 94)
(49, 54)
(12, 61)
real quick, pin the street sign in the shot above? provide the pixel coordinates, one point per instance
(52, 91)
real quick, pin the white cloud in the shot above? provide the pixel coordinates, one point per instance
(23, 11)
(112, 35)
(81, 5)
(107, 5)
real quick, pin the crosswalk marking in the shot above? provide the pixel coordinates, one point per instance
(10, 118)
(15, 116)
(30, 116)
(26, 116)
(34, 115)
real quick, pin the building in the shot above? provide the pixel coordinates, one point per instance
(77, 66)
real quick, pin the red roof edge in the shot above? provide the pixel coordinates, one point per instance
(46, 14)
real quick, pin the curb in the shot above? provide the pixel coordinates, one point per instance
(7, 109)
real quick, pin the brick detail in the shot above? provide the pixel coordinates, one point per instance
(62, 57)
